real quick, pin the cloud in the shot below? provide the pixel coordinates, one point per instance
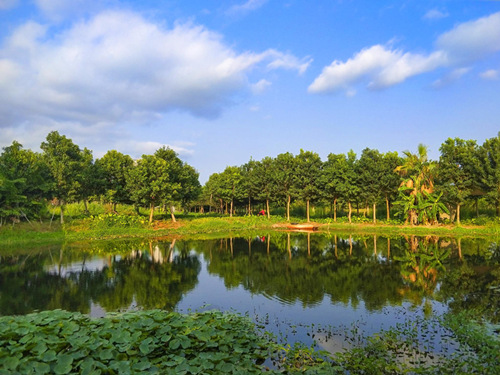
(435, 14)
(472, 40)
(138, 148)
(257, 88)
(490, 75)
(244, 8)
(381, 66)
(117, 66)
(449, 78)
(8, 4)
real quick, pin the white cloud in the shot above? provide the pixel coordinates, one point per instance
(490, 75)
(379, 66)
(451, 77)
(7, 4)
(139, 148)
(435, 14)
(257, 88)
(472, 40)
(117, 66)
(246, 7)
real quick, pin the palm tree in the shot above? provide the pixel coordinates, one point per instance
(416, 189)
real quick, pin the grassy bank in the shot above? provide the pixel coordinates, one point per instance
(109, 226)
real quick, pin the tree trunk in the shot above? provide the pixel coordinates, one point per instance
(249, 207)
(62, 211)
(350, 212)
(172, 213)
(458, 214)
(477, 207)
(267, 208)
(114, 206)
(374, 213)
(307, 209)
(86, 205)
(288, 208)
(387, 207)
(151, 212)
(231, 212)
(335, 210)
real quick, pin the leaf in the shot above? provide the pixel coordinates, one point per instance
(106, 354)
(41, 368)
(174, 344)
(64, 364)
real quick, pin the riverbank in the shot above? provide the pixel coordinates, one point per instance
(113, 226)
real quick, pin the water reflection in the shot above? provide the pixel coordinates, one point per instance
(322, 274)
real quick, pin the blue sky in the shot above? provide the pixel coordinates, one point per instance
(221, 82)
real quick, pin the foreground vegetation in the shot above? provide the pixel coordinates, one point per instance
(212, 342)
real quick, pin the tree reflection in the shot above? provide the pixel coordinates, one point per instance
(150, 278)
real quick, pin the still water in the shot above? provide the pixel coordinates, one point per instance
(293, 284)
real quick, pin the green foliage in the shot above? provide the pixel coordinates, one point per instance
(155, 341)
(115, 220)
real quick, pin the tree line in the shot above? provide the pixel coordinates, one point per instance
(418, 189)
(414, 187)
(65, 173)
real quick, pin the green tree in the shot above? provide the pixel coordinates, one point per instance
(284, 172)
(457, 165)
(370, 168)
(248, 182)
(147, 180)
(332, 177)
(191, 188)
(307, 174)
(228, 188)
(417, 203)
(349, 187)
(66, 163)
(114, 167)
(25, 182)
(172, 190)
(264, 180)
(489, 158)
(390, 179)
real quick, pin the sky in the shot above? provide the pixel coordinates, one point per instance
(222, 82)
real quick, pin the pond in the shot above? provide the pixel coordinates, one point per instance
(332, 288)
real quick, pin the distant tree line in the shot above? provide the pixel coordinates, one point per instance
(417, 189)
(65, 173)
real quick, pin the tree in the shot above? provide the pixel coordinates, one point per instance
(283, 173)
(249, 186)
(25, 181)
(147, 180)
(264, 180)
(191, 188)
(417, 203)
(457, 165)
(369, 177)
(389, 180)
(65, 162)
(489, 160)
(332, 177)
(349, 187)
(306, 183)
(172, 190)
(114, 167)
(229, 181)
